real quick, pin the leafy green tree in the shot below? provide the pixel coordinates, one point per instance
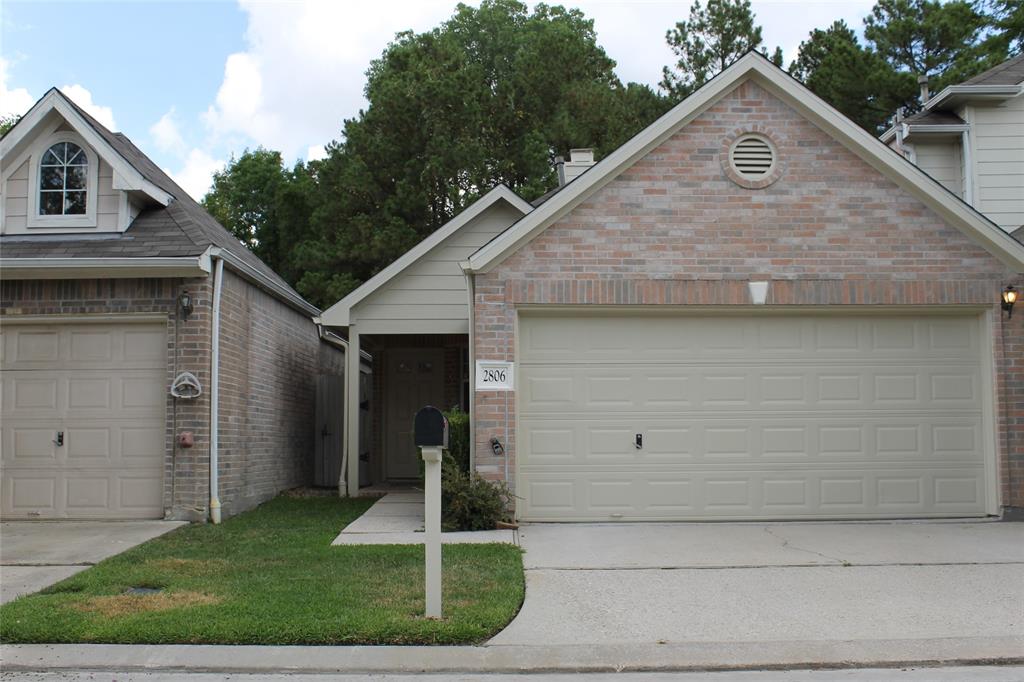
(853, 79)
(266, 206)
(1006, 22)
(490, 96)
(8, 122)
(928, 38)
(713, 37)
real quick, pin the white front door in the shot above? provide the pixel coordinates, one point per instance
(82, 426)
(625, 416)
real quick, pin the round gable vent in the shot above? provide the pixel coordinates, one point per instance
(752, 157)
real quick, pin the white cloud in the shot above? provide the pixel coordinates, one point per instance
(167, 136)
(12, 102)
(83, 98)
(316, 152)
(196, 176)
(303, 69)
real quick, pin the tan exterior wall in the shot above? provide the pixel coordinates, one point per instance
(430, 296)
(998, 152)
(674, 230)
(943, 160)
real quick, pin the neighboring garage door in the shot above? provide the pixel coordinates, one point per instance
(100, 385)
(750, 417)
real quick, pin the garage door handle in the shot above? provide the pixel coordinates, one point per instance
(59, 440)
(639, 442)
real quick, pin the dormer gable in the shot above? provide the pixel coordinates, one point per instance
(61, 172)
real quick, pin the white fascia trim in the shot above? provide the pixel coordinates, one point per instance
(103, 268)
(126, 177)
(250, 273)
(338, 315)
(952, 93)
(754, 65)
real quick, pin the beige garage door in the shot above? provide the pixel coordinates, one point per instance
(102, 387)
(752, 417)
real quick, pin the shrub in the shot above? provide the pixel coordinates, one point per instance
(458, 437)
(468, 501)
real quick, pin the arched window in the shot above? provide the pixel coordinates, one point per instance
(63, 180)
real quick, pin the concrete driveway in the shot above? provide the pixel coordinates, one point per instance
(37, 554)
(774, 584)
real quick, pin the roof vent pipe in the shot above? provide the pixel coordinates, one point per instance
(579, 161)
(922, 81)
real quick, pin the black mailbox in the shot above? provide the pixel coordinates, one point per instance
(430, 428)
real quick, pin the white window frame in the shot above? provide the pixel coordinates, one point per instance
(88, 219)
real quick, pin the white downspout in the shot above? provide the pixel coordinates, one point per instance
(218, 280)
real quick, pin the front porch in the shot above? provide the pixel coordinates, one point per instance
(410, 371)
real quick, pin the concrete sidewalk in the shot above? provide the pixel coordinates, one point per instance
(696, 656)
(397, 519)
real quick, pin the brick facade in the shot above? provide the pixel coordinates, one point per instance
(270, 356)
(673, 229)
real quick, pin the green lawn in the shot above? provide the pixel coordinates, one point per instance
(270, 576)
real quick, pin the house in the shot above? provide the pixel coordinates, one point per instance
(753, 309)
(970, 137)
(118, 290)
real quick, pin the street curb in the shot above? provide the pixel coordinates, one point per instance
(672, 657)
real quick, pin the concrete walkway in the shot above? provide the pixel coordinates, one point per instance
(37, 554)
(397, 519)
(824, 583)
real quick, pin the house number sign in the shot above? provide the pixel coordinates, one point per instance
(493, 375)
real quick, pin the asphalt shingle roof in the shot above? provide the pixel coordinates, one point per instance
(933, 118)
(182, 228)
(1010, 72)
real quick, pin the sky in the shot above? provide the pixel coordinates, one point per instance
(195, 82)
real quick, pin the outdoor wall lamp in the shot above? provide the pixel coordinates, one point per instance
(1009, 298)
(185, 304)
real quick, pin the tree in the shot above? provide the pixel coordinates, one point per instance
(930, 38)
(265, 206)
(1005, 19)
(8, 122)
(714, 36)
(490, 96)
(853, 79)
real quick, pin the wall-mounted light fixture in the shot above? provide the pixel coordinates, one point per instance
(185, 304)
(1009, 298)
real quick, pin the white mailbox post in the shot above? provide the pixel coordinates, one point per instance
(431, 432)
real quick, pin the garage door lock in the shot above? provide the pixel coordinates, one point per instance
(59, 440)
(639, 442)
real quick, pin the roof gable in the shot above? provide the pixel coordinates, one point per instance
(340, 314)
(40, 117)
(757, 68)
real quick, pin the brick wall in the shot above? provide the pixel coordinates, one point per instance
(674, 229)
(270, 356)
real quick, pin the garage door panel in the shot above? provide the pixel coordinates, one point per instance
(103, 386)
(862, 417)
(643, 388)
(672, 495)
(924, 439)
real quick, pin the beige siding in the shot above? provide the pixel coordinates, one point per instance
(943, 161)
(108, 200)
(16, 199)
(999, 160)
(430, 296)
